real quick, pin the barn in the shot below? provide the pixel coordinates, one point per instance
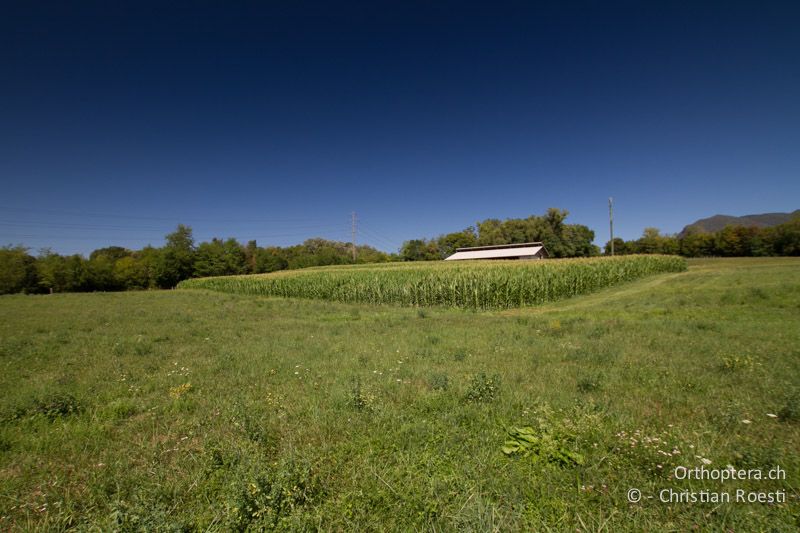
(526, 250)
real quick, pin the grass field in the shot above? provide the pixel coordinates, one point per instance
(200, 410)
(464, 284)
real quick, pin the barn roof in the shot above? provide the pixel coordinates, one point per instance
(501, 251)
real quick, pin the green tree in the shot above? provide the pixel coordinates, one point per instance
(762, 243)
(447, 244)
(555, 218)
(670, 245)
(579, 240)
(101, 275)
(368, 254)
(209, 259)
(111, 252)
(270, 259)
(787, 238)
(490, 232)
(620, 247)
(150, 260)
(235, 257)
(650, 242)
(102, 268)
(250, 255)
(17, 270)
(697, 245)
(729, 243)
(52, 272)
(78, 274)
(420, 250)
(176, 261)
(131, 273)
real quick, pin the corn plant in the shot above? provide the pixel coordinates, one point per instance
(464, 284)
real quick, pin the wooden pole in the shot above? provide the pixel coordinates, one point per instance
(354, 236)
(611, 221)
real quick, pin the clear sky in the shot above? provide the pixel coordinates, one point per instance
(276, 120)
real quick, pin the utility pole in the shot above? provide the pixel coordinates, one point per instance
(354, 236)
(611, 221)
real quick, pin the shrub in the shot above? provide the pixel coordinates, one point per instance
(55, 406)
(483, 388)
(360, 399)
(439, 381)
(540, 446)
(267, 501)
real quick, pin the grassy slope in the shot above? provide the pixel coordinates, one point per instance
(353, 416)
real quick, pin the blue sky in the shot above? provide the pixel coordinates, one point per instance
(275, 121)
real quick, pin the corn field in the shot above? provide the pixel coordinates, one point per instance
(464, 284)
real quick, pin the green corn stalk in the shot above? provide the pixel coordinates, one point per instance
(464, 284)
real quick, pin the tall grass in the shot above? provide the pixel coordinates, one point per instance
(471, 285)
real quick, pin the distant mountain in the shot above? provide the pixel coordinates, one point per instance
(718, 222)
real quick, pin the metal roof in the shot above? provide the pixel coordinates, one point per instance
(498, 252)
(500, 246)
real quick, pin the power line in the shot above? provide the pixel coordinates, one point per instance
(79, 226)
(82, 231)
(204, 238)
(376, 235)
(382, 240)
(166, 219)
(141, 229)
(354, 236)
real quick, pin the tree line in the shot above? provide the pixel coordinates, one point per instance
(731, 241)
(116, 268)
(560, 239)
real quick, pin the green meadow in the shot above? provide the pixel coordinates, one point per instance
(197, 410)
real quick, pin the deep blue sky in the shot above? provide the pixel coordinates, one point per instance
(275, 121)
